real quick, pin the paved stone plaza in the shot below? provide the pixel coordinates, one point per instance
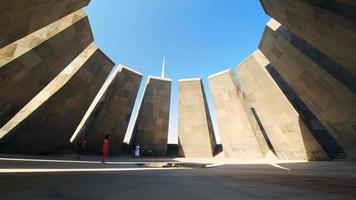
(123, 179)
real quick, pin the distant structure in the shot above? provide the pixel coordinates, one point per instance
(151, 126)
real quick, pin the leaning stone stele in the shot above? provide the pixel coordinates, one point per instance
(114, 112)
(238, 138)
(195, 131)
(151, 126)
(327, 25)
(22, 17)
(290, 138)
(49, 128)
(40, 61)
(330, 100)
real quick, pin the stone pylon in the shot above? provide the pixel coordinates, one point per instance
(281, 123)
(238, 137)
(195, 131)
(21, 18)
(49, 128)
(328, 26)
(114, 111)
(323, 91)
(38, 59)
(151, 127)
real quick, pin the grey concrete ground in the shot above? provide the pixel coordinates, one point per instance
(126, 180)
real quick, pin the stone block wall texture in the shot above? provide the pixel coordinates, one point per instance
(331, 101)
(327, 25)
(49, 128)
(115, 111)
(51, 88)
(321, 134)
(195, 131)
(28, 42)
(238, 138)
(151, 127)
(25, 76)
(19, 18)
(261, 135)
(290, 137)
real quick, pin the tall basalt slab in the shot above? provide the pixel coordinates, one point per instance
(19, 18)
(327, 25)
(290, 137)
(195, 131)
(24, 77)
(151, 127)
(238, 138)
(332, 102)
(49, 128)
(115, 111)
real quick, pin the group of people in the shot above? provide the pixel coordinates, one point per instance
(105, 150)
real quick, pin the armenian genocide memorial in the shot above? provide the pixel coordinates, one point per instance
(281, 124)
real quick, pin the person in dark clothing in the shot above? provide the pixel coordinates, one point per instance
(81, 146)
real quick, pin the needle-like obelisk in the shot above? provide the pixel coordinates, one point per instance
(163, 67)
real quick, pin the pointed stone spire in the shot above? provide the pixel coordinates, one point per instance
(163, 67)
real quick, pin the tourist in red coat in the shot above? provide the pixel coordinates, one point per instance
(105, 149)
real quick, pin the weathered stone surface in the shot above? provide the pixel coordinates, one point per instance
(321, 134)
(51, 88)
(24, 77)
(238, 138)
(50, 127)
(290, 138)
(195, 131)
(326, 25)
(331, 102)
(14, 50)
(19, 18)
(151, 127)
(115, 111)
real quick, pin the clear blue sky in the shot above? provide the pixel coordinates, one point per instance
(198, 38)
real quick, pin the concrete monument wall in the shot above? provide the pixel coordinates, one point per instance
(195, 131)
(151, 127)
(327, 25)
(49, 128)
(26, 75)
(331, 101)
(290, 137)
(115, 111)
(19, 18)
(238, 138)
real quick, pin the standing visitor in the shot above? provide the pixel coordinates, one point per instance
(105, 149)
(81, 146)
(133, 149)
(137, 151)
